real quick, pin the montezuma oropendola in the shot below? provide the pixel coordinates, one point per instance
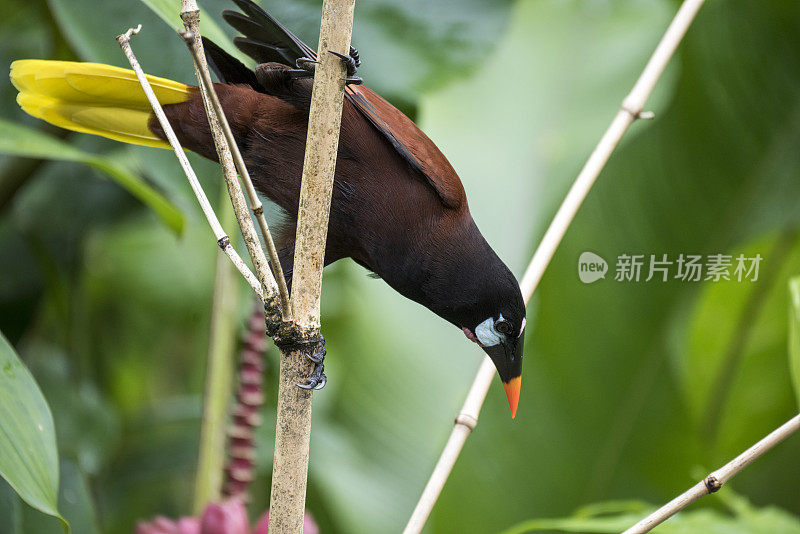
(398, 208)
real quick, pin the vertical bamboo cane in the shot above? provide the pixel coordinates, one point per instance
(293, 431)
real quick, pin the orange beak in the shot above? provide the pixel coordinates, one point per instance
(512, 392)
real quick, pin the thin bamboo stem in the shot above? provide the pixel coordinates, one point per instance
(211, 462)
(293, 429)
(195, 45)
(223, 240)
(714, 481)
(630, 110)
(190, 14)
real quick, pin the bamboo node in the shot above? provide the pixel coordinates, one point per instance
(467, 420)
(712, 483)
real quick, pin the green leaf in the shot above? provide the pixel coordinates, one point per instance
(28, 454)
(87, 426)
(794, 334)
(91, 26)
(26, 142)
(74, 502)
(408, 47)
(610, 517)
(169, 12)
(732, 362)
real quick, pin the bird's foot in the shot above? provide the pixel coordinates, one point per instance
(317, 378)
(351, 62)
(290, 337)
(306, 66)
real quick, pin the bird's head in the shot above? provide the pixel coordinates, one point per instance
(497, 324)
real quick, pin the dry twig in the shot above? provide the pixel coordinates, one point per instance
(226, 144)
(630, 110)
(223, 240)
(228, 152)
(210, 462)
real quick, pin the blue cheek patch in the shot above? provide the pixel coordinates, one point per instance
(486, 333)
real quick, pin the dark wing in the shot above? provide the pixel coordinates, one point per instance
(268, 41)
(227, 68)
(411, 142)
(265, 39)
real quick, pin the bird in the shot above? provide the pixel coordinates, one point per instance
(398, 207)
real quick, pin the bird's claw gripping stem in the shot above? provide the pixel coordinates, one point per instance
(351, 62)
(290, 337)
(306, 66)
(319, 353)
(317, 378)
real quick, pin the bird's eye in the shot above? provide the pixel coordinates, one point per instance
(503, 326)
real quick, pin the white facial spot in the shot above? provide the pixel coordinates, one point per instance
(486, 333)
(522, 328)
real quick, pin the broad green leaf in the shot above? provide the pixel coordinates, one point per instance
(28, 454)
(758, 520)
(794, 334)
(175, 282)
(24, 141)
(91, 26)
(732, 363)
(74, 502)
(24, 33)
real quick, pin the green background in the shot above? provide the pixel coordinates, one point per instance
(631, 391)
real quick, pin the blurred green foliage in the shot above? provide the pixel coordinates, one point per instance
(30, 143)
(740, 517)
(794, 333)
(628, 386)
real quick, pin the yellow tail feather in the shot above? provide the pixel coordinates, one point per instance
(92, 98)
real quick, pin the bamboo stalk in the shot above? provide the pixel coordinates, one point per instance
(190, 14)
(211, 463)
(630, 110)
(223, 241)
(255, 202)
(714, 481)
(293, 430)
